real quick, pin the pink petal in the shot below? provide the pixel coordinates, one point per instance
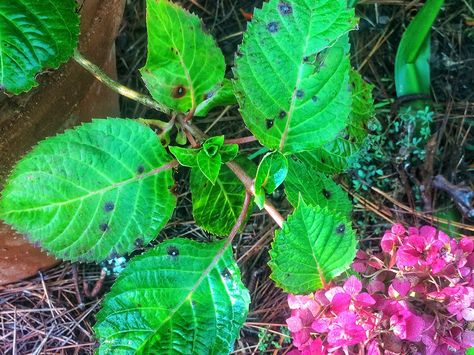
(388, 242)
(332, 292)
(414, 328)
(353, 286)
(468, 314)
(359, 266)
(428, 233)
(467, 245)
(398, 229)
(320, 325)
(294, 324)
(468, 338)
(364, 299)
(405, 257)
(401, 286)
(376, 286)
(340, 302)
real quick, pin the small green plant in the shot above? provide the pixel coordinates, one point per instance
(104, 189)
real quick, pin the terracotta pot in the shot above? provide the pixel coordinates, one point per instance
(63, 99)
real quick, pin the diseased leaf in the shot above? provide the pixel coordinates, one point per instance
(209, 166)
(92, 192)
(270, 174)
(223, 96)
(334, 157)
(292, 73)
(181, 297)
(184, 64)
(34, 35)
(316, 188)
(185, 156)
(314, 246)
(217, 207)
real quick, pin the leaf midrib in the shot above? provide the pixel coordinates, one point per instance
(155, 171)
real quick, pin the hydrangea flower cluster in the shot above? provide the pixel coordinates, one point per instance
(414, 297)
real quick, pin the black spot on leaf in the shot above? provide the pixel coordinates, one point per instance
(140, 169)
(269, 123)
(108, 206)
(139, 242)
(341, 228)
(104, 227)
(178, 92)
(314, 99)
(226, 273)
(285, 8)
(327, 193)
(282, 114)
(208, 95)
(299, 94)
(172, 251)
(272, 27)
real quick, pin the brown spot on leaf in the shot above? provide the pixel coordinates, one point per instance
(178, 92)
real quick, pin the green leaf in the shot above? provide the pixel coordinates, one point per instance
(270, 174)
(412, 66)
(316, 189)
(92, 192)
(470, 351)
(34, 35)
(217, 207)
(292, 73)
(314, 246)
(185, 156)
(209, 166)
(362, 108)
(181, 297)
(184, 64)
(223, 96)
(212, 145)
(228, 152)
(335, 156)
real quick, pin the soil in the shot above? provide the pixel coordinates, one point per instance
(51, 313)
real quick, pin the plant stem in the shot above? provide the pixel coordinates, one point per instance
(115, 86)
(242, 140)
(236, 169)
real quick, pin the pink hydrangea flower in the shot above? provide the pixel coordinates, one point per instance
(416, 296)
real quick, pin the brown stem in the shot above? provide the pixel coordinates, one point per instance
(115, 86)
(240, 219)
(242, 140)
(237, 170)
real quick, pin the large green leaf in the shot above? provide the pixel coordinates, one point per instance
(316, 189)
(335, 156)
(184, 66)
(292, 73)
(217, 207)
(314, 246)
(182, 297)
(92, 192)
(34, 35)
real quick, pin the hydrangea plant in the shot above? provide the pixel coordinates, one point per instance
(105, 189)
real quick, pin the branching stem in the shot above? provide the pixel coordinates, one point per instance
(236, 169)
(190, 129)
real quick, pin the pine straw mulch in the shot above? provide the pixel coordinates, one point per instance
(50, 314)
